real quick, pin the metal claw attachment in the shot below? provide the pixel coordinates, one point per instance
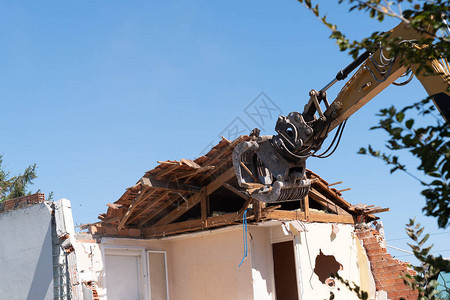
(266, 174)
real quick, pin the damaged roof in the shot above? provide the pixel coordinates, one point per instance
(190, 195)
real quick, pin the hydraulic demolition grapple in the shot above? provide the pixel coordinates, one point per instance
(272, 168)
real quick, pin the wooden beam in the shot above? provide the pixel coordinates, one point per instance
(306, 201)
(377, 210)
(314, 217)
(195, 199)
(248, 172)
(196, 171)
(167, 170)
(152, 214)
(331, 218)
(231, 145)
(204, 208)
(334, 183)
(224, 161)
(136, 201)
(191, 225)
(167, 185)
(150, 206)
(257, 209)
(236, 191)
(333, 194)
(317, 196)
(248, 199)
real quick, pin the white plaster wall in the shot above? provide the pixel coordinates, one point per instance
(262, 263)
(90, 263)
(90, 256)
(342, 247)
(307, 246)
(26, 266)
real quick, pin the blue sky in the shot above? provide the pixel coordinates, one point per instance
(95, 92)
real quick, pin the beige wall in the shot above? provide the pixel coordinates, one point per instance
(206, 267)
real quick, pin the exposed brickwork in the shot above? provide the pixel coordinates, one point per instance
(386, 270)
(16, 203)
(93, 287)
(112, 230)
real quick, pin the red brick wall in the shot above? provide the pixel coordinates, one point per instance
(20, 202)
(386, 270)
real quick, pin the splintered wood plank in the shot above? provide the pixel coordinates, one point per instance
(331, 192)
(190, 163)
(191, 225)
(222, 161)
(378, 210)
(145, 192)
(167, 170)
(150, 206)
(317, 196)
(330, 218)
(156, 211)
(167, 185)
(313, 217)
(196, 171)
(195, 199)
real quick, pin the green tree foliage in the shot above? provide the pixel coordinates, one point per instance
(429, 143)
(409, 128)
(425, 279)
(16, 186)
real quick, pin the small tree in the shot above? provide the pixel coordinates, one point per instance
(16, 186)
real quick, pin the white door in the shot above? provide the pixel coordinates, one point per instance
(123, 276)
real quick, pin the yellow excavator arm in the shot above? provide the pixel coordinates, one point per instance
(378, 72)
(272, 168)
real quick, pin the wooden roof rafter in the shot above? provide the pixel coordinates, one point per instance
(143, 194)
(194, 200)
(168, 185)
(151, 205)
(152, 214)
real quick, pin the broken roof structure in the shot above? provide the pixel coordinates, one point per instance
(187, 231)
(188, 217)
(192, 195)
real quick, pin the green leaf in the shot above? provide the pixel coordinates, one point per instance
(409, 123)
(423, 241)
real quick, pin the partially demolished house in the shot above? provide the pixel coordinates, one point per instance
(186, 231)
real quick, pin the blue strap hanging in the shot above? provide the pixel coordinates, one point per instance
(244, 232)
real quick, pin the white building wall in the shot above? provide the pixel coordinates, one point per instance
(315, 237)
(26, 266)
